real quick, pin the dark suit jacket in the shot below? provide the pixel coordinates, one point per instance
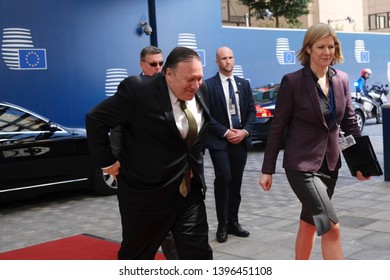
(154, 154)
(308, 138)
(219, 115)
(116, 132)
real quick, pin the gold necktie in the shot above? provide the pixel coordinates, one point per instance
(185, 185)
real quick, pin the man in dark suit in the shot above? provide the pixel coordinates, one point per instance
(161, 185)
(233, 115)
(151, 62)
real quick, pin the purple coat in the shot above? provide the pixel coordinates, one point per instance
(308, 138)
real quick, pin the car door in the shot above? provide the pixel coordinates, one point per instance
(36, 154)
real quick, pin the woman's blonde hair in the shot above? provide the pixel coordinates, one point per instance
(315, 33)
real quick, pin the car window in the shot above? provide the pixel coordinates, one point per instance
(14, 120)
(263, 95)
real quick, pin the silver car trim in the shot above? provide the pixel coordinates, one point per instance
(44, 185)
(34, 132)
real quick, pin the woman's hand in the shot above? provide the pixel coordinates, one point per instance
(360, 177)
(265, 181)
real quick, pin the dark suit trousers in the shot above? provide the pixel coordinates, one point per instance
(148, 216)
(229, 167)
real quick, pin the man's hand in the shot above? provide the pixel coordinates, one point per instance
(113, 170)
(235, 136)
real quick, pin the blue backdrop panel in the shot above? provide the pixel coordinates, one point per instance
(265, 54)
(82, 39)
(195, 24)
(84, 44)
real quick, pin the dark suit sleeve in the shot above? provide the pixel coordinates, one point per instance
(349, 123)
(111, 112)
(250, 112)
(283, 111)
(219, 123)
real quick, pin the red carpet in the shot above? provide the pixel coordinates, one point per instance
(78, 247)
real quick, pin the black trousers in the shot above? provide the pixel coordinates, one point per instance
(229, 167)
(148, 216)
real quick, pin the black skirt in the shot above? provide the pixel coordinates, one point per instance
(314, 191)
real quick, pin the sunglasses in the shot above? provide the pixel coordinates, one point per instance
(154, 64)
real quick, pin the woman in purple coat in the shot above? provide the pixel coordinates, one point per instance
(313, 110)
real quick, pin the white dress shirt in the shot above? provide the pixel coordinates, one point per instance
(180, 117)
(225, 86)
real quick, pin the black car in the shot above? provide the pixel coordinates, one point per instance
(265, 99)
(40, 156)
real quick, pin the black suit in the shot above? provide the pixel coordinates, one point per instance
(116, 134)
(228, 159)
(154, 157)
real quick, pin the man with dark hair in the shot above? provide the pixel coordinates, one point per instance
(151, 60)
(161, 184)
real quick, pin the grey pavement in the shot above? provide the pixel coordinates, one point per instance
(271, 217)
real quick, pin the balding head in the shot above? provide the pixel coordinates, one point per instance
(225, 61)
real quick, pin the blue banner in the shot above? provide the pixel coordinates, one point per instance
(31, 59)
(202, 54)
(289, 57)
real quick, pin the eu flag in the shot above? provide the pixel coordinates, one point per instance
(289, 57)
(365, 56)
(31, 59)
(202, 54)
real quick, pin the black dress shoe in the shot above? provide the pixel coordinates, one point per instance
(222, 234)
(237, 230)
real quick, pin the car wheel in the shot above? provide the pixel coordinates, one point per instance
(104, 183)
(360, 120)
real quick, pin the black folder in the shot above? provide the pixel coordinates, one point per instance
(361, 156)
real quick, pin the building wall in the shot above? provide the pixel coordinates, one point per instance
(323, 10)
(380, 8)
(336, 12)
